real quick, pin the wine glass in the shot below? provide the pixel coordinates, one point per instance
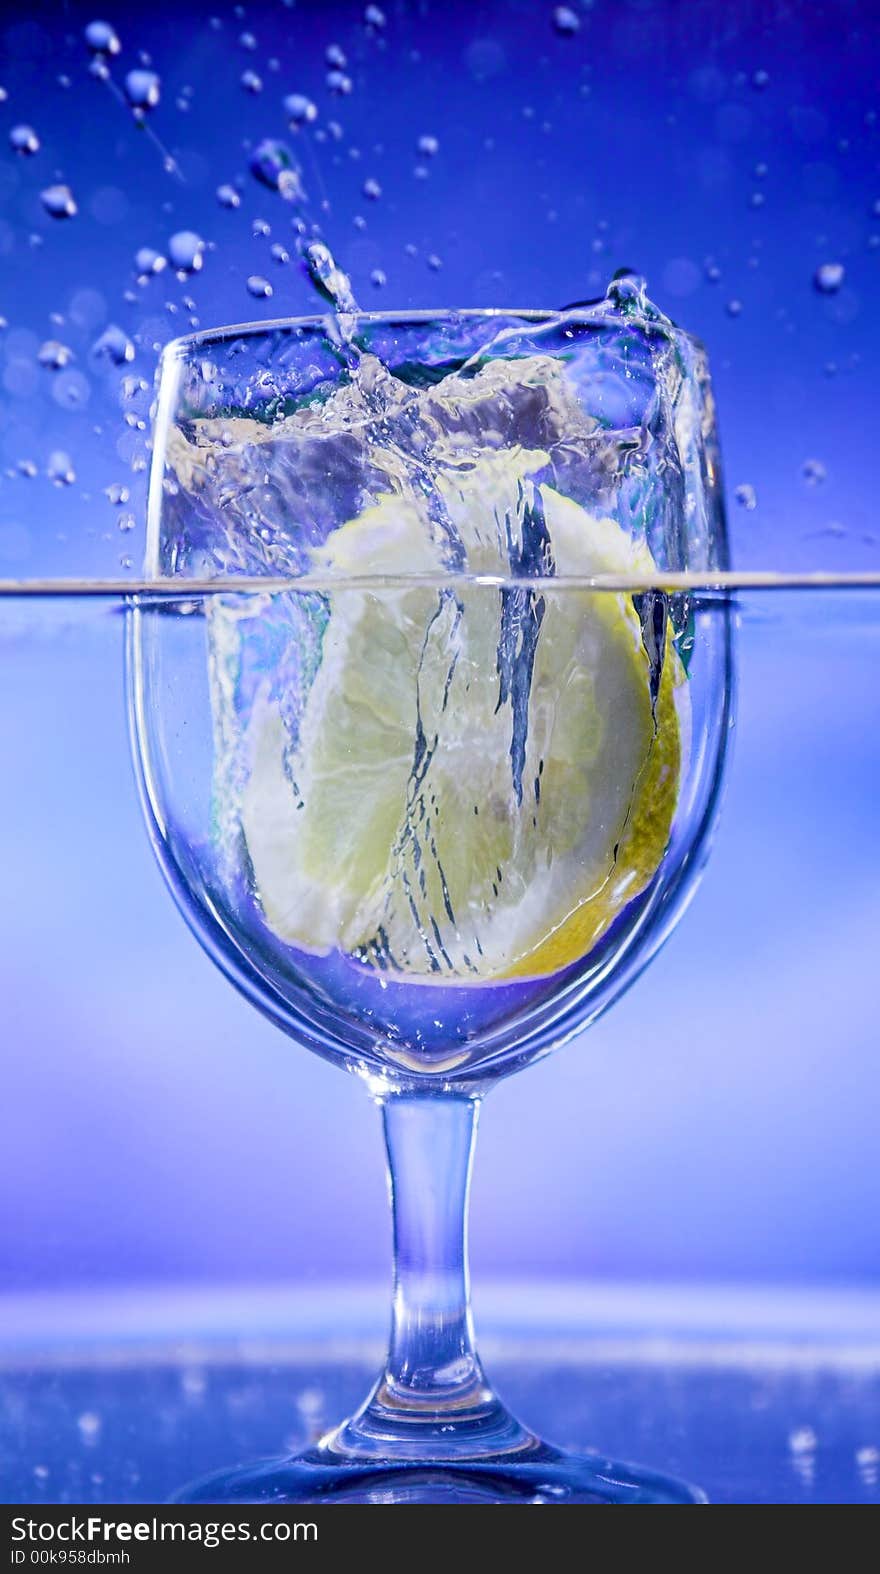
(430, 752)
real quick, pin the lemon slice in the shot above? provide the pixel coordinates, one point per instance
(480, 782)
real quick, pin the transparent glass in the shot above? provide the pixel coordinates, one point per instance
(430, 755)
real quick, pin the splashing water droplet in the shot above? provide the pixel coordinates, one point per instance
(102, 39)
(802, 1440)
(117, 492)
(435, 263)
(113, 346)
(228, 197)
(273, 164)
(126, 522)
(247, 41)
(259, 287)
(813, 472)
(829, 277)
(260, 227)
(186, 251)
(59, 202)
(60, 468)
(149, 261)
(566, 22)
(746, 497)
(339, 83)
(142, 89)
(26, 467)
(335, 55)
(328, 278)
(24, 140)
(374, 19)
(251, 82)
(54, 354)
(378, 278)
(300, 110)
(428, 146)
(279, 253)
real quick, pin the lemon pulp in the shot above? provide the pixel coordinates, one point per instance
(480, 780)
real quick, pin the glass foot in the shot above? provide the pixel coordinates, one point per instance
(537, 1473)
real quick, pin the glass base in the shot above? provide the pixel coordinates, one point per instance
(536, 1473)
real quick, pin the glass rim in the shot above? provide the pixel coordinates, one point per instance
(184, 342)
(178, 348)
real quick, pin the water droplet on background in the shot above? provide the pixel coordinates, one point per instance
(186, 251)
(102, 38)
(565, 21)
(60, 468)
(746, 497)
(54, 354)
(300, 110)
(113, 346)
(59, 202)
(228, 197)
(273, 164)
(829, 277)
(259, 287)
(148, 261)
(142, 89)
(23, 139)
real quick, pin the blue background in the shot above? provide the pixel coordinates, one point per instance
(721, 1122)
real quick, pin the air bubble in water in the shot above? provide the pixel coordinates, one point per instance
(148, 261)
(374, 19)
(251, 82)
(54, 354)
(734, 307)
(760, 79)
(372, 189)
(746, 497)
(428, 146)
(379, 278)
(247, 41)
(279, 253)
(117, 493)
(24, 140)
(813, 472)
(829, 277)
(339, 83)
(26, 467)
(102, 39)
(59, 202)
(300, 110)
(228, 197)
(272, 163)
(259, 287)
(113, 346)
(126, 521)
(566, 21)
(435, 263)
(60, 468)
(802, 1440)
(336, 56)
(186, 251)
(260, 227)
(142, 89)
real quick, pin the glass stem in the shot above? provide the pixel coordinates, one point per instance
(432, 1401)
(430, 1147)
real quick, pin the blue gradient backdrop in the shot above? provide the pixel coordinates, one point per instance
(722, 1121)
